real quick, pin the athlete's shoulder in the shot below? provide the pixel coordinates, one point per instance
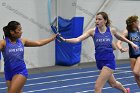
(125, 32)
(23, 40)
(113, 29)
(90, 31)
(2, 44)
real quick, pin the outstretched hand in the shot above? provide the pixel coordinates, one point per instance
(60, 38)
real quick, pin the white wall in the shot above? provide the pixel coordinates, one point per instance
(33, 16)
(66, 8)
(118, 11)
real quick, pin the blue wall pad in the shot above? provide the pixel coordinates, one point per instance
(68, 54)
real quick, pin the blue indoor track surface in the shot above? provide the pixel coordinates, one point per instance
(79, 80)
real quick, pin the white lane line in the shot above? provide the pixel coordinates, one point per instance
(72, 74)
(68, 79)
(69, 74)
(105, 88)
(72, 79)
(35, 84)
(77, 85)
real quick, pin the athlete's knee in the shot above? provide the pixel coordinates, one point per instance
(137, 73)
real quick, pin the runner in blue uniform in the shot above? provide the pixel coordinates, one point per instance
(132, 32)
(105, 59)
(12, 48)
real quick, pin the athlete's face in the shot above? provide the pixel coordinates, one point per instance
(136, 24)
(18, 32)
(100, 21)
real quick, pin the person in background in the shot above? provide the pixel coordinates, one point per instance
(132, 32)
(105, 59)
(12, 48)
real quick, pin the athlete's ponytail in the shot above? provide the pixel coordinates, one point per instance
(6, 31)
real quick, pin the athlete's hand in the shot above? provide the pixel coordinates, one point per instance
(134, 46)
(124, 50)
(60, 38)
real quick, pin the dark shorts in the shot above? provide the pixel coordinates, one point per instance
(108, 63)
(134, 56)
(9, 75)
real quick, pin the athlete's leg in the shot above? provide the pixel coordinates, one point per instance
(102, 79)
(17, 83)
(113, 83)
(133, 65)
(136, 69)
(8, 83)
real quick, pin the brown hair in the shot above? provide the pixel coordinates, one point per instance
(105, 16)
(129, 22)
